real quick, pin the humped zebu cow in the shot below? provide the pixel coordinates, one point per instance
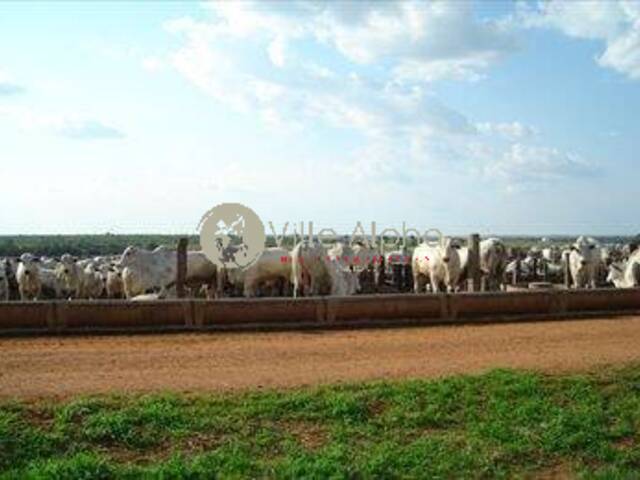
(272, 267)
(439, 263)
(314, 273)
(584, 261)
(144, 271)
(625, 274)
(28, 277)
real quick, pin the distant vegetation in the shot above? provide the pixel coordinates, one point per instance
(109, 244)
(503, 424)
(83, 245)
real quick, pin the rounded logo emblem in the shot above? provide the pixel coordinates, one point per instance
(232, 235)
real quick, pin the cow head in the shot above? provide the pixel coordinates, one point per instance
(584, 251)
(68, 271)
(128, 257)
(449, 249)
(29, 264)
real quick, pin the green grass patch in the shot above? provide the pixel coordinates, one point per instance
(502, 424)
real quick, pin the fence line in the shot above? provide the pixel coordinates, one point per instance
(318, 312)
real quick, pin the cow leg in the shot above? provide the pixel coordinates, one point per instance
(416, 281)
(435, 284)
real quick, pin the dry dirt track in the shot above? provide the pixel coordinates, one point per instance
(64, 366)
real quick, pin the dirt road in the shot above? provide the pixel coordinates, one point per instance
(65, 366)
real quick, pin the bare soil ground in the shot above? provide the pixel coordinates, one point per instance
(66, 366)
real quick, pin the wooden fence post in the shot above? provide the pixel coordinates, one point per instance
(381, 266)
(398, 275)
(407, 278)
(515, 275)
(181, 275)
(473, 262)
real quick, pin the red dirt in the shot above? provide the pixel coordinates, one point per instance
(65, 366)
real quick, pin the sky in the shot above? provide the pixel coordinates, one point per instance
(491, 117)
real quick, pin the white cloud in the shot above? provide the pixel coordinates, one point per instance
(615, 22)
(153, 64)
(426, 40)
(525, 163)
(72, 126)
(87, 129)
(262, 59)
(422, 32)
(351, 101)
(509, 130)
(276, 51)
(8, 86)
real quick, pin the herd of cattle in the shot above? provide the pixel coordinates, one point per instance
(310, 269)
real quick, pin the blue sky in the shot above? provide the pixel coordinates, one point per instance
(493, 117)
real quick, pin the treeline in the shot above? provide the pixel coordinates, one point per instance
(92, 245)
(110, 244)
(84, 245)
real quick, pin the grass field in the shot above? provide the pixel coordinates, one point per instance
(500, 424)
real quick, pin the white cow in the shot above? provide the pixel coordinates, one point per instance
(4, 281)
(439, 263)
(48, 263)
(144, 270)
(344, 283)
(52, 285)
(342, 253)
(309, 274)
(229, 281)
(272, 266)
(493, 262)
(131, 285)
(625, 274)
(70, 274)
(354, 256)
(80, 278)
(147, 270)
(114, 285)
(314, 273)
(93, 281)
(584, 261)
(28, 277)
